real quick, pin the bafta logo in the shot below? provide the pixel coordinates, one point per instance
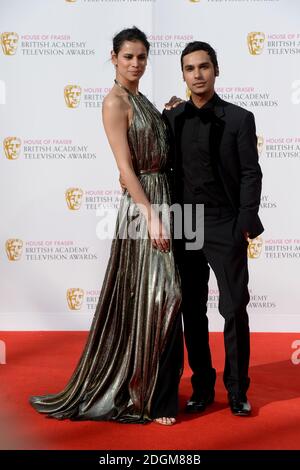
(75, 297)
(194, 1)
(74, 198)
(14, 248)
(260, 144)
(255, 247)
(72, 95)
(256, 42)
(187, 93)
(12, 147)
(71, 1)
(9, 42)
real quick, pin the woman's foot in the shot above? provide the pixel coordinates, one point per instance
(165, 421)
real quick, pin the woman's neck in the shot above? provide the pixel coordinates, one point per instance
(131, 86)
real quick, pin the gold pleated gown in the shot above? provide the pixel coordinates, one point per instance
(130, 368)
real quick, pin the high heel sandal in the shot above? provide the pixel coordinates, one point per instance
(165, 421)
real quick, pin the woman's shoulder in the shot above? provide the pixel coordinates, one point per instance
(116, 101)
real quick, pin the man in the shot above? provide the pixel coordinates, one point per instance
(215, 163)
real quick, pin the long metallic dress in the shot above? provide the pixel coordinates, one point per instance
(130, 368)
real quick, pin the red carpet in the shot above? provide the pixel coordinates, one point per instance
(41, 362)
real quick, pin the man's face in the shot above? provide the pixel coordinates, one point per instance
(199, 73)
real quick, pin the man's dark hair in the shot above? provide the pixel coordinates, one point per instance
(200, 46)
(130, 34)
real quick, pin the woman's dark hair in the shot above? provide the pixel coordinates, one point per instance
(130, 34)
(200, 46)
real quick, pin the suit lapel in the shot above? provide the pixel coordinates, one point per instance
(215, 138)
(178, 127)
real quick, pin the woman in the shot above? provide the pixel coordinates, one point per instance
(131, 365)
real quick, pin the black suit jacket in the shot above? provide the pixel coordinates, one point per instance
(233, 148)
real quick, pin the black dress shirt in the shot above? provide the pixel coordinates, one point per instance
(201, 183)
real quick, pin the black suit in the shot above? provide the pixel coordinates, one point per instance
(234, 158)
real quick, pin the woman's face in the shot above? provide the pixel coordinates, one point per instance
(130, 61)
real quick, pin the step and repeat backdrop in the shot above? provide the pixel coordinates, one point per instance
(59, 182)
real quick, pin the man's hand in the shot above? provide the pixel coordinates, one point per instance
(246, 235)
(173, 102)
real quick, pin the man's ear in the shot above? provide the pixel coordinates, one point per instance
(217, 72)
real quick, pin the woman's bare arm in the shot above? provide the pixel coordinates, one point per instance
(115, 120)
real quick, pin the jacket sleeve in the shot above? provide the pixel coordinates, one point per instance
(250, 175)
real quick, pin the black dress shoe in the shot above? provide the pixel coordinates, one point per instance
(198, 403)
(239, 404)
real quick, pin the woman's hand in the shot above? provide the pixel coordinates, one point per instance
(158, 234)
